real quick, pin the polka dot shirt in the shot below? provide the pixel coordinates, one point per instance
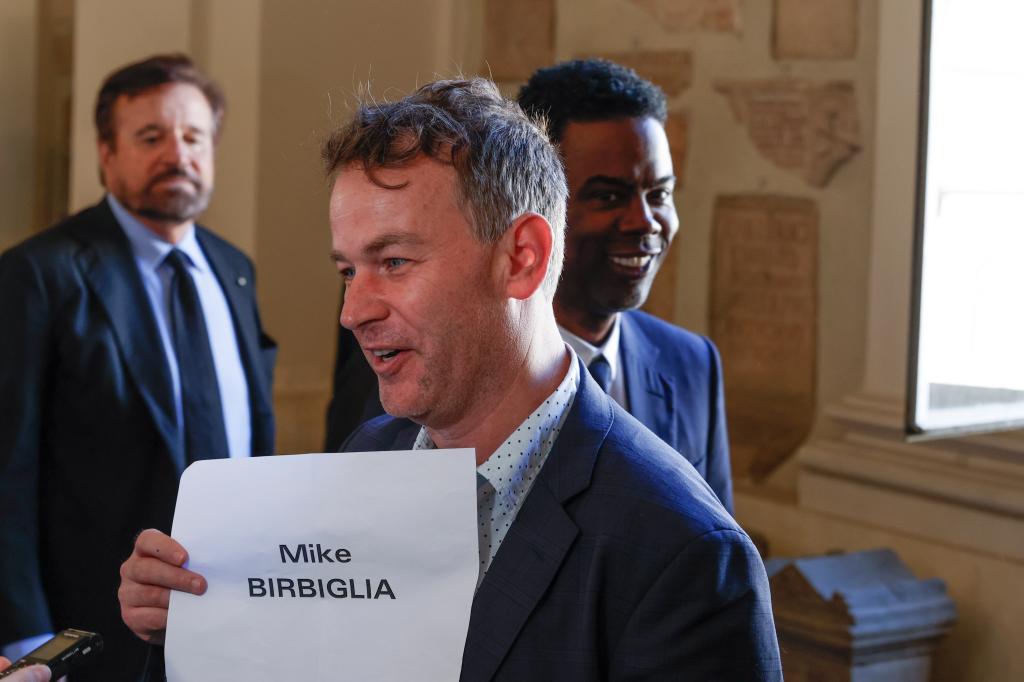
(506, 477)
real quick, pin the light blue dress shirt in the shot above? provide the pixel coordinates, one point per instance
(150, 252)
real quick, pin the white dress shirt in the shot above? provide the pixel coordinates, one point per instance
(610, 350)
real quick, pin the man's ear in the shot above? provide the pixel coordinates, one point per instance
(526, 255)
(104, 150)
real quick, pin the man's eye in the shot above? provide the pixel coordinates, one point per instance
(659, 196)
(347, 273)
(609, 196)
(392, 263)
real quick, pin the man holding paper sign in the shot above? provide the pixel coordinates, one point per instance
(603, 554)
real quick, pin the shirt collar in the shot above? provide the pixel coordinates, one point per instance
(588, 351)
(149, 249)
(528, 446)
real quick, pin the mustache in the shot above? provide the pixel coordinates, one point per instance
(175, 172)
(373, 335)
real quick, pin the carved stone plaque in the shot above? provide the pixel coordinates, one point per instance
(806, 128)
(681, 16)
(519, 37)
(815, 29)
(764, 319)
(670, 70)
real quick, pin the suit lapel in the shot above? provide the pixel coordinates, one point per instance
(109, 267)
(238, 291)
(649, 392)
(540, 538)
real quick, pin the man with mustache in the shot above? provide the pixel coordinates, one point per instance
(608, 123)
(603, 555)
(132, 346)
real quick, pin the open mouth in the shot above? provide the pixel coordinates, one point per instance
(386, 361)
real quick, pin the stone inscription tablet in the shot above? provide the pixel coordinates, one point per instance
(806, 128)
(764, 320)
(683, 16)
(519, 37)
(670, 70)
(815, 29)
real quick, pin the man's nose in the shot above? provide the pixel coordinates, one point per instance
(363, 302)
(175, 151)
(639, 217)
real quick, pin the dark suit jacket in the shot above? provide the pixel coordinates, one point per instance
(89, 448)
(674, 388)
(355, 397)
(621, 565)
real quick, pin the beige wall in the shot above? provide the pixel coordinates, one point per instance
(315, 56)
(17, 132)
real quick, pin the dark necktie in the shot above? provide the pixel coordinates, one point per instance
(601, 371)
(205, 437)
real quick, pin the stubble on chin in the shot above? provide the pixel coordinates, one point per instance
(179, 207)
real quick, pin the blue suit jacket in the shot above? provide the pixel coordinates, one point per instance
(89, 448)
(674, 387)
(621, 565)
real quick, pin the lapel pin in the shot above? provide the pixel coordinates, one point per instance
(242, 281)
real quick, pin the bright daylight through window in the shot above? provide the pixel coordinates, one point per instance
(967, 355)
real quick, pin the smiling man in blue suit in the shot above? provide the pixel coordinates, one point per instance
(608, 123)
(603, 554)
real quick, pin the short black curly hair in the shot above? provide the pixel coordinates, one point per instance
(589, 90)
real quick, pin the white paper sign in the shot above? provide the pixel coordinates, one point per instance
(352, 566)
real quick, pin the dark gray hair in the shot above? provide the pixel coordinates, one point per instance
(504, 164)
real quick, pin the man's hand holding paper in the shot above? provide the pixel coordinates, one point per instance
(147, 578)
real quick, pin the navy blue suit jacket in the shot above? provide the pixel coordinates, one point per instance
(89, 447)
(674, 387)
(621, 565)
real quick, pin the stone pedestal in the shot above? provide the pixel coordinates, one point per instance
(860, 617)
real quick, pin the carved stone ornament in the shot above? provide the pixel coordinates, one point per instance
(806, 128)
